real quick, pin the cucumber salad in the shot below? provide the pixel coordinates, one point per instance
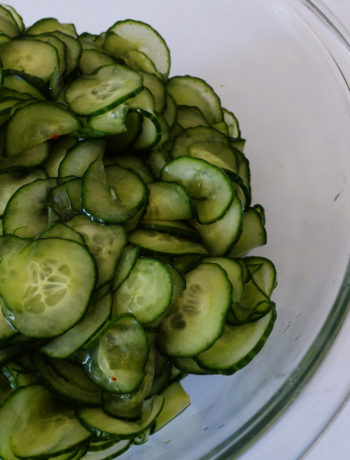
(126, 226)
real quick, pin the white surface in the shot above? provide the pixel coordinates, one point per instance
(328, 391)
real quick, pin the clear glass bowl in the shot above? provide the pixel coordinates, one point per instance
(281, 66)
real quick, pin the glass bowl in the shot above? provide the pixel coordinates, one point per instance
(281, 66)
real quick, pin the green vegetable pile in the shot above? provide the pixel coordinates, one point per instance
(125, 226)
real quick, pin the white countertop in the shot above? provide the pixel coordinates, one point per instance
(317, 424)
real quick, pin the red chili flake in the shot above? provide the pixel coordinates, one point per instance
(55, 136)
(114, 379)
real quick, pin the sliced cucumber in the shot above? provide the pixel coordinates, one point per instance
(26, 212)
(102, 90)
(168, 201)
(76, 337)
(105, 242)
(175, 401)
(125, 264)
(28, 126)
(117, 362)
(40, 284)
(112, 194)
(208, 186)
(158, 242)
(137, 35)
(147, 291)
(106, 427)
(43, 425)
(195, 92)
(197, 318)
(80, 156)
(237, 346)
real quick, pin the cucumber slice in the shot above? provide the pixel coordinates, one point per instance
(164, 243)
(253, 233)
(29, 158)
(10, 182)
(80, 156)
(137, 35)
(51, 25)
(74, 386)
(220, 236)
(125, 264)
(208, 186)
(33, 57)
(237, 346)
(111, 451)
(234, 271)
(58, 152)
(190, 117)
(29, 126)
(43, 425)
(26, 212)
(175, 227)
(105, 243)
(232, 124)
(130, 161)
(106, 427)
(168, 201)
(40, 284)
(73, 50)
(195, 92)
(19, 83)
(197, 319)
(147, 291)
(59, 230)
(102, 90)
(76, 337)
(117, 362)
(208, 144)
(112, 194)
(176, 400)
(92, 59)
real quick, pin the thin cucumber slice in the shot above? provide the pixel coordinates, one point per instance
(262, 272)
(40, 283)
(80, 156)
(237, 346)
(59, 230)
(168, 201)
(176, 400)
(58, 152)
(120, 142)
(190, 117)
(189, 366)
(158, 242)
(125, 264)
(19, 83)
(59, 198)
(111, 122)
(133, 162)
(234, 271)
(142, 37)
(105, 243)
(195, 92)
(75, 338)
(51, 25)
(220, 236)
(29, 158)
(117, 363)
(26, 212)
(207, 185)
(147, 291)
(10, 182)
(129, 407)
(253, 233)
(92, 59)
(28, 126)
(157, 88)
(76, 387)
(157, 159)
(73, 50)
(175, 227)
(59, 46)
(112, 194)
(170, 110)
(110, 452)
(33, 57)
(106, 427)
(232, 124)
(43, 425)
(16, 16)
(102, 90)
(197, 319)
(208, 144)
